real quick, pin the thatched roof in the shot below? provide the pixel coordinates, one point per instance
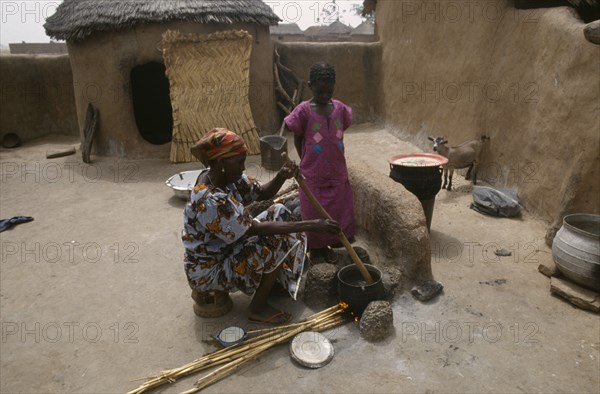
(365, 28)
(75, 20)
(313, 30)
(336, 28)
(286, 28)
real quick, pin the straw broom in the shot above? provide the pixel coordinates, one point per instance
(246, 350)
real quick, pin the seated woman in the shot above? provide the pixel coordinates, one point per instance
(227, 249)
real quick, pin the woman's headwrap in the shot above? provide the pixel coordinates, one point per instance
(219, 143)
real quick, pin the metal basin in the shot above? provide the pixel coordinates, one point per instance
(183, 183)
(576, 249)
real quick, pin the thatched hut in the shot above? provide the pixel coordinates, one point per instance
(287, 32)
(336, 31)
(365, 32)
(117, 64)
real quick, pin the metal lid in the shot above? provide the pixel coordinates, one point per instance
(311, 349)
(418, 160)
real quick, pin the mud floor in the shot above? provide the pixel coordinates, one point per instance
(93, 293)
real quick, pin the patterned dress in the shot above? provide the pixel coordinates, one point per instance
(324, 166)
(218, 253)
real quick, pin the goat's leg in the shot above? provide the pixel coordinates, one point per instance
(475, 165)
(468, 175)
(450, 182)
(445, 178)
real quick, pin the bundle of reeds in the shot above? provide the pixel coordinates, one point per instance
(231, 358)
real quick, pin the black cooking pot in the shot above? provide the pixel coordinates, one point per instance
(354, 291)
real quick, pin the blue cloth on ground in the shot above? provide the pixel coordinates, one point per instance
(5, 224)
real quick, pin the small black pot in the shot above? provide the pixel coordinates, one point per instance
(353, 290)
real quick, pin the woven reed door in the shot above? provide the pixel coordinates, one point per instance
(209, 77)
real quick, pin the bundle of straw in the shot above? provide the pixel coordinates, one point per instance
(233, 357)
(209, 83)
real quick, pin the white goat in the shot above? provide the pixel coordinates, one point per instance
(465, 155)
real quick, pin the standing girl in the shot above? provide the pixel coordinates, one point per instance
(318, 126)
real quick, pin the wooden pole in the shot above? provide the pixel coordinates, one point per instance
(313, 200)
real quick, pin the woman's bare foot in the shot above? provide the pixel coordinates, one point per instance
(269, 315)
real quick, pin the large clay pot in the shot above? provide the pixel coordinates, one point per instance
(576, 249)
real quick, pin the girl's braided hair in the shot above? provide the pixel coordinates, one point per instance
(322, 72)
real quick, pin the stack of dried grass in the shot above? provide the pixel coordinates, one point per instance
(209, 77)
(231, 358)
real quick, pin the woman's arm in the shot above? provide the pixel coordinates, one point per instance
(270, 189)
(317, 225)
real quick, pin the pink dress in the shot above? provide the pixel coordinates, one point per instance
(324, 166)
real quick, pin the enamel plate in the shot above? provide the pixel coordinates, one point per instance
(230, 336)
(311, 349)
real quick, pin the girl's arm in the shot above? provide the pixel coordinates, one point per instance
(298, 141)
(296, 123)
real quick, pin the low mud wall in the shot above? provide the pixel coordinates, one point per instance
(36, 96)
(391, 219)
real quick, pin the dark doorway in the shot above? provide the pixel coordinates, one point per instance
(152, 103)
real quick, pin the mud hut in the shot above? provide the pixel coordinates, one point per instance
(117, 64)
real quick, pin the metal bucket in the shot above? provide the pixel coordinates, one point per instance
(271, 148)
(576, 249)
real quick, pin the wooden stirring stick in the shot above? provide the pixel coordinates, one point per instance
(311, 197)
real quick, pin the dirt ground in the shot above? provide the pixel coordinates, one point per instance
(93, 293)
